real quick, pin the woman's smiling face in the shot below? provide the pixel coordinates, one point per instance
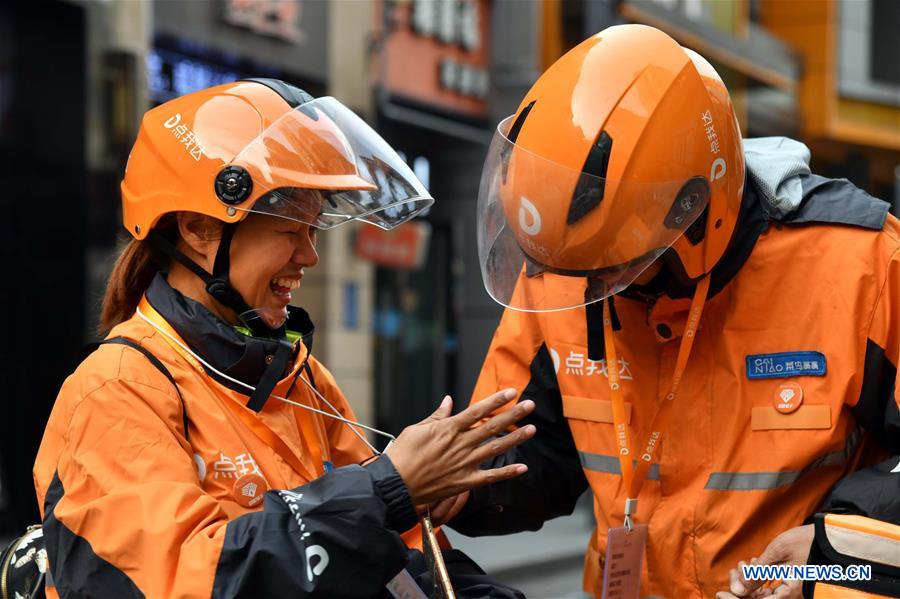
(268, 255)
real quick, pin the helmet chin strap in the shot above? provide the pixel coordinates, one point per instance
(220, 289)
(217, 284)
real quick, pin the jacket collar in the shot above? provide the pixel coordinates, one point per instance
(237, 355)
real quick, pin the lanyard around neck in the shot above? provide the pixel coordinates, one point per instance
(149, 315)
(632, 476)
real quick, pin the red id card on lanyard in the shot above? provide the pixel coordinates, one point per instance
(624, 559)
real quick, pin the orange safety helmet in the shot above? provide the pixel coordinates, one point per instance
(624, 148)
(220, 150)
(261, 145)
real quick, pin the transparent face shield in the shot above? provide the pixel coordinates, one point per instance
(322, 165)
(552, 238)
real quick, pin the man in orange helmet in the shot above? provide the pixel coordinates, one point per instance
(710, 332)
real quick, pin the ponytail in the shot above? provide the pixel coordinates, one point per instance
(131, 276)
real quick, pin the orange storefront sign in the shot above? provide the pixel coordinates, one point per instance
(435, 54)
(402, 247)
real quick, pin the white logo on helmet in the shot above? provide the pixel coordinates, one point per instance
(718, 169)
(526, 210)
(185, 136)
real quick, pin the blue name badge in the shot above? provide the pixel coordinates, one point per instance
(327, 466)
(783, 365)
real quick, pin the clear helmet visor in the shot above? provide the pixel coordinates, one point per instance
(322, 165)
(551, 237)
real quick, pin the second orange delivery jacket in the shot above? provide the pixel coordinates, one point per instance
(788, 394)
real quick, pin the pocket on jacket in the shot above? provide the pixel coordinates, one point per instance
(593, 410)
(806, 417)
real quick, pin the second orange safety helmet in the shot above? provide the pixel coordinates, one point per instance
(624, 148)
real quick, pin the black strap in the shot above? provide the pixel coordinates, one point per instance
(271, 376)
(305, 368)
(158, 242)
(613, 315)
(595, 335)
(312, 381)
(222, 264)
(217, 284)
(156, 363)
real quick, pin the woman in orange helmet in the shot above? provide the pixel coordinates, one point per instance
(714, 355)
(202, 450)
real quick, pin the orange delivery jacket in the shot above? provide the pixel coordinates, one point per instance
(135, 505)
(788, 398)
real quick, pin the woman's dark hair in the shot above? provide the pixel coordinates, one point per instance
(131, 275)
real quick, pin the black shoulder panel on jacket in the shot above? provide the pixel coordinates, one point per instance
(874, 491)
(871, 492)
(876, 410)
(555, 479)
(837, 201)
(76, 570)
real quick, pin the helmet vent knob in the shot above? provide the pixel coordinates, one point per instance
(233, 185)
(688, 211)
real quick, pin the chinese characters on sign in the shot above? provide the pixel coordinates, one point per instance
(450, 21)
(458, 23)
(463, 78)
(445, 42)
(277, 18)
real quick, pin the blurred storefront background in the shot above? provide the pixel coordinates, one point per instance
(402, 317)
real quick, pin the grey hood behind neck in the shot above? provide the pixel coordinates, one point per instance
(778, 168)
(775, 165)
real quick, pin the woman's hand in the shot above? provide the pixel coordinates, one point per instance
(789, 548)
(439, 457)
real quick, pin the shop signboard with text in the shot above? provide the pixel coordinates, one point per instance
(434, 54)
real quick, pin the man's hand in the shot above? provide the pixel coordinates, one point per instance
(789, 548)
